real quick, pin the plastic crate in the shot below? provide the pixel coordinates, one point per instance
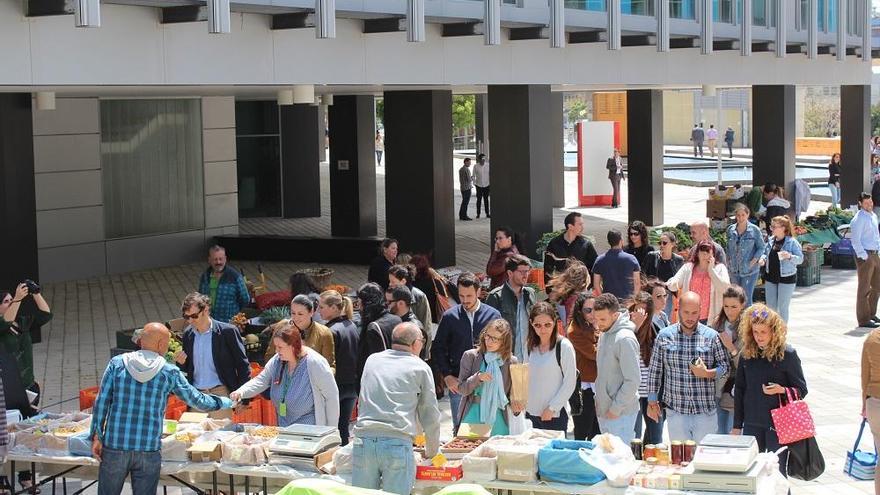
(87, 397)
(255, 369)
(251, 413)
(809, 275)
(268, 414)
(826, 254)
(813, 257)
(175, 412)
(843, 261)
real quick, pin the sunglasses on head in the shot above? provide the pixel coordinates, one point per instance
(760, 315)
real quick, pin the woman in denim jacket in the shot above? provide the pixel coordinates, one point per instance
(745, 245)
(782, 255)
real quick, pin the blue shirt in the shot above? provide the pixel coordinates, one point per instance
(232, 293)
(129, 415)
(204, 372)
(299, 399)
(616, 269)
(865, 236)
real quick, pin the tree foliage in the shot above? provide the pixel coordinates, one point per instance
(875, 120)
(463, 112)
(577, 110)
(821, 117)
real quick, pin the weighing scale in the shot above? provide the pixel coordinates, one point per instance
(304, 440)
(709, 481)
(726, 453)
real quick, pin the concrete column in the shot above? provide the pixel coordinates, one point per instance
(644, 116)
(300, 173)
(855, 130)
(322, 138)
(773, 137)
(557, 157)
(481, 124)
(352, 166)
(18, 210)
(419, 209)
(521, 132)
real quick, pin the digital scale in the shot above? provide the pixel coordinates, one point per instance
(718, 481)
(305, 441)
(726, 453)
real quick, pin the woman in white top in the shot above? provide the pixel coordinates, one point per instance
(552, 370)
(703, 275)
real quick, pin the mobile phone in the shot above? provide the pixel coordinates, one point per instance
(769, 384)
(696, 361)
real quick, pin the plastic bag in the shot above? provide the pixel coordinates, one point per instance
(245, 450)
(342, 459)
(517, 424)
(613, 457)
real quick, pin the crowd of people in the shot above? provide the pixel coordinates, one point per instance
(644, 337)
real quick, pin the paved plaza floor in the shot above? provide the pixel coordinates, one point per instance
(76, 345)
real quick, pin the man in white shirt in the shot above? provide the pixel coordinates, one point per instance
(481, 180)
(866, 243)
(712, 137)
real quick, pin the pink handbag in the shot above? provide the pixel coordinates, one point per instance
(793, 421)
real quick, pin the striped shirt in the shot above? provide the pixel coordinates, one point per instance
(299, 400)
(670, 372)
(129, 415)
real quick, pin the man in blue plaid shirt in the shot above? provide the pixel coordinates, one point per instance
(128, 416)
(224, 285)
(687, 358)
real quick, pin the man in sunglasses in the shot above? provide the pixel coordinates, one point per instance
(213, 355)
(399, 301)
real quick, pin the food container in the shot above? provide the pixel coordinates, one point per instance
(205, 452)
(649, 451)
(636, 446)
(459, 446)
(450, 472)
(481, 464)
(517, 462)
(677, 452)
(690, 448)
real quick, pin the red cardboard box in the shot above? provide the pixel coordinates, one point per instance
(450, 472)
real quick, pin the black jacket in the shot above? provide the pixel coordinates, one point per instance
(455, 336)
(752, 405)
(346, 337)
(229, 355)
(580, 249)
(611, 165)
(875, 192)
(379, 271)
(373, 341)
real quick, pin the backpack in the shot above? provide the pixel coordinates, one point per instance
(576, 400)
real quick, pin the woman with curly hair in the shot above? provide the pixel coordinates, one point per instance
(565, 287)
(767, 366)
(637, 242)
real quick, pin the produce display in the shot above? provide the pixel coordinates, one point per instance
(240, 321)
(174, 346)
(266, 432)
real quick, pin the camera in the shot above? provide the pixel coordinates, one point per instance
(33, 287)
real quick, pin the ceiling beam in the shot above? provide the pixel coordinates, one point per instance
(39, 8)
(576, 37)
(795, 48)
(529, 33)
(184, 13)
(693, 42)
(385, 25)
(463, 29)
(638, 40)
(725, 45)
(296, 20)
(763, 46)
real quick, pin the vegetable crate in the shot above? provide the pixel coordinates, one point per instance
(251, 413)
(809, 275)
(814, 257)
(87, 397)
(844, 261)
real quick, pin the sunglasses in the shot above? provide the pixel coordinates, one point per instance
(634, 233)
(192, 316)
(664, 243)
(587, 311)
(491, 338)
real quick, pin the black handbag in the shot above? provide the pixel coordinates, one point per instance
(576, 400)
(805, 461)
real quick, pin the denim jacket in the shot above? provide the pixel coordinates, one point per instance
(742, 249)
(787, 267)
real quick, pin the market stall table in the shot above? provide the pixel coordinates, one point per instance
(268, 472)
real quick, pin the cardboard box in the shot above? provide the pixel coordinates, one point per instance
(471, 430)
(192, 417)
(452, 471)
(324, 461)
(205, 452)
(716, 208)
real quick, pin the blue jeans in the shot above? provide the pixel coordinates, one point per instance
(690, 426)
(653, 429)
(383, 462)
(559, 423)
(623, 427)
(779, 297)
(454, 402)
(725, 419)
(747, 282)
(116, 465)
(835, 194)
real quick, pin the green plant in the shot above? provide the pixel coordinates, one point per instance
(275, 314)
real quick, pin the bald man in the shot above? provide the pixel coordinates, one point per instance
(128, 415)
(687, 358)
(700, 232)
(397, 395)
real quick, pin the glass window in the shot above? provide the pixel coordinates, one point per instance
(637, 7)
(258, 149)
(597, 5)
(722, 11)
(151, 166)
(682, 9)
(759, 12)
(832, 15)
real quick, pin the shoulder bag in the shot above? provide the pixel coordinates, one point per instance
(792, 421)
(576, 400)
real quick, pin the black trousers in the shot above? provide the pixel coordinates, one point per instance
(768, 442)
(465, 199)
(730, 148)
(586, 425)
(348, 395)
(615, 191)
(483, 194)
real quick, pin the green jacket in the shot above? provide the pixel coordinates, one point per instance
(20, 345)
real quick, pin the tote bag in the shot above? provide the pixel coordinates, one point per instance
(793, 421)
(860, 464)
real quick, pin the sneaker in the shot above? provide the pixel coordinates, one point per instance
(875, 319)
(869, 324)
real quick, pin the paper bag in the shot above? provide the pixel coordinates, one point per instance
(519, 383)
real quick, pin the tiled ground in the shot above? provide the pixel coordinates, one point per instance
(77, 343)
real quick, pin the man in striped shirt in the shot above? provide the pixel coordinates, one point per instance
(128, 415)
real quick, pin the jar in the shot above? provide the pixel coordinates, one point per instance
(677, 452)
(690, 448)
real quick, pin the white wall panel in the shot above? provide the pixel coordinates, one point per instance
(14, 44)
(424, 70)
(219, 145)
(68, 190)
(300, 58)
(125, 255)
(70, 226)
(218, 112)
(71, 116)
(72, 262)
(221, 210)
(67, 153)
(220, 177)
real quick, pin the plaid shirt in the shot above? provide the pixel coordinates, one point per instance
(232, 293)
(670, 374)
(129, 415)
